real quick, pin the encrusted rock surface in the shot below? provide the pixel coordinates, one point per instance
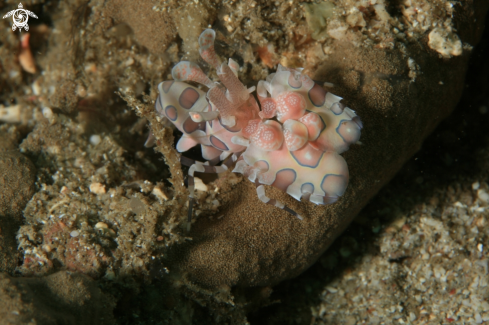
(152, 29)
(17, 177)
(61, 298)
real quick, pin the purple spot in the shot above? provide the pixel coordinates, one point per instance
(359, 122)
(261, 165)
(293, 82)
(190, 126)
(167, 85)
(334, 186)
(171, 113)
(234, 129)
(307, 188)
(349, 131)
(323, 125)
(218, 144)
(307, 156)
(317, 95)
(188, 98)
(337, 108)
(284, 178)
(158, 107)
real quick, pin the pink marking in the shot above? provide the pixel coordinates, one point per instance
(190, 71)
(268, 107)
(314, 125)
(307, 82)
(261, 165)
(180, 71)
(295, 134)
(206, 39)
(210, 57)
(294, 79)
(317, 95)
(251, 108)
(269, 136)
(284, 178)
(290, 105)
(251, 128)
(207, 52)
(233, 65)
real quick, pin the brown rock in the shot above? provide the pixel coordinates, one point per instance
(60, 298)
(17, 177)
(65, 97)
(254, 244)
(152, 29)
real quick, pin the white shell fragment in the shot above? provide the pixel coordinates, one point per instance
(97, 188)
(101, 225)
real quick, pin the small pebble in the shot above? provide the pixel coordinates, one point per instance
(74, 233)
(412, 316)
(199, 185)
(36, 87)
(478, 318)
(47, 113)
(97, 188)
(95, 139)
(101, 225)
(10, 114)
(331, 289)
(483, 195)
(475, 186)
(64, 190)
(159, 194)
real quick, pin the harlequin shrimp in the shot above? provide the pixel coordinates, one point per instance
(292, 141)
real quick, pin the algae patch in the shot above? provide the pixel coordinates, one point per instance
(317, 15)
